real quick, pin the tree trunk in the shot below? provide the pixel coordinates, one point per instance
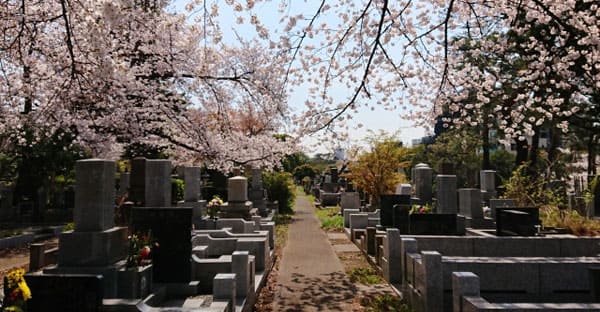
(485, 138)
(533, 153)
(522, 148)
(591, 156)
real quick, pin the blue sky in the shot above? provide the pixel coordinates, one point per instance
(370, 119)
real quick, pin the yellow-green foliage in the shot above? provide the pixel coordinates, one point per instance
(570, 220)
(330, 219)
(367, 276)
(376, 171)
(530, 191)
(385, 303)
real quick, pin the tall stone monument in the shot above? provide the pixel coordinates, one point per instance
(95, 246)
(446, 193)
(257, 192)
(237, 205)
(423, 181)
(150, 182)
(192, 177)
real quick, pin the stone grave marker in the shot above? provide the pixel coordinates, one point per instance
(423, 182)
(436, 224)
(171, 227)
(390, 216)
(150, 182)
(446, 194)
(517, 221)
(65, 293)
(470, 203)
(96, 245)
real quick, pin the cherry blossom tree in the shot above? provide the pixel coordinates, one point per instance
(119, 72)
(405, 56)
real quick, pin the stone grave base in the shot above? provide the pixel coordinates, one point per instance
(238, 210)
(109, 275)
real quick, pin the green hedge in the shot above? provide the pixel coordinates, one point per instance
(280, 187)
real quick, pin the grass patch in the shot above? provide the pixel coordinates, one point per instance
(330, 218)
(281, 228)
(384, 303)
(367, 276)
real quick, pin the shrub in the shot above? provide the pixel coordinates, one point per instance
(367, 276)
(177, 190)
(280, 187)
(384, 303)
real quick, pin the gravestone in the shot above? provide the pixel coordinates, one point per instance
(237, 205)
(192, 179)
(446, 194)
(350, 200)
(436, 224)
(257, 192)
(171, 228)
(334, 174)
(404, 189)
(390, 216)
(517, 221)
(470, 203)
(137, 181)
(95, 246)
(422, 179)
(158, 183)
(487, 182)
(150, 182)
(65, 292)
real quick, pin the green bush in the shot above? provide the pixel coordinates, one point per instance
(384, 303)
(367, 276)
(177, 190)
(280, 187)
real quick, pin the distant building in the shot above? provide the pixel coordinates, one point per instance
(339, 154)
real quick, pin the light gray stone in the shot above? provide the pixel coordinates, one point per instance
(237, 189)
(422, 178)
(94, 195)
(463, 284)
(350, 200)
(346, 215)
(240, 265)
(404, 189)
(392, 263)
(433, 290)
(224, 287)
(359, 221)
(192, 178)
(446, 193)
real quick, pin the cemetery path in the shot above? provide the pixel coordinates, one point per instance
(311, 277)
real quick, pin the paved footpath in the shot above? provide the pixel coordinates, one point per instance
(311, 277)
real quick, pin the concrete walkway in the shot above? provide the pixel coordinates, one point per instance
(311, 277)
